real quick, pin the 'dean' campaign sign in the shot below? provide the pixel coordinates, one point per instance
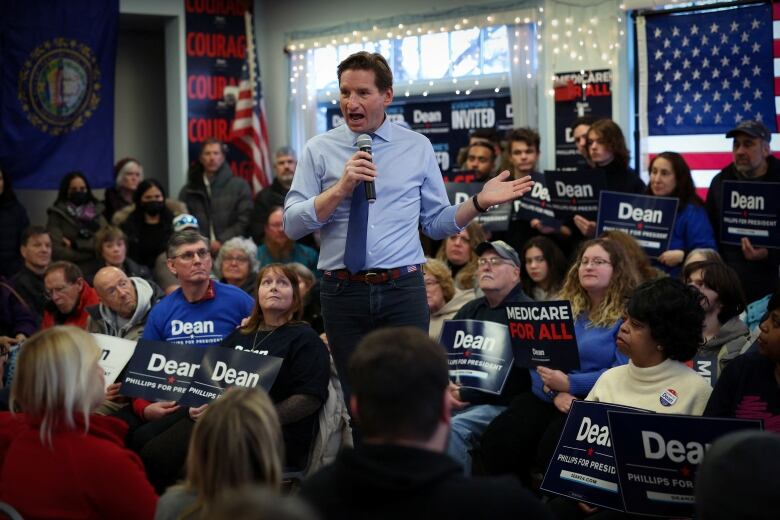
(542, 333)
(479, 353)
(658, 455)
(750, 209)
(583, 465)
(536, 203)
(575, 193)
(650, 220)
(222, 368)
(160, 371)
(495, 219)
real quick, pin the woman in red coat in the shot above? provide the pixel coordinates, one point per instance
(57, 460)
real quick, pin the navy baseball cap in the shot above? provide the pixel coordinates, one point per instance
(501, 248)
(751, 128)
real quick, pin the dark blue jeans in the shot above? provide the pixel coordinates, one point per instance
(353, 309)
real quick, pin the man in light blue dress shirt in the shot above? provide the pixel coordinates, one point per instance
(388, 290)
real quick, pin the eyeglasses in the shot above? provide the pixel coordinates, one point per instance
(56, 290)
(239, 259)
(189, 256)
(595, 262)
(493, 261)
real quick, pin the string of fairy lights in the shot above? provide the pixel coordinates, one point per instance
(569, 38)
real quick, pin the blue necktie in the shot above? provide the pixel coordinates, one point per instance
(355, 251)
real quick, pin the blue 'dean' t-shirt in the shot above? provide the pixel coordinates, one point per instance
(200, 324)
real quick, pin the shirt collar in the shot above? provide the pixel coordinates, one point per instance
(210, 293)
(384, 132)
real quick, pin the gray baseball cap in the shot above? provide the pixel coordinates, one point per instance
(501, 248)
(751, 128)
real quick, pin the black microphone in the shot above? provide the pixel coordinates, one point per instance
(364, 145)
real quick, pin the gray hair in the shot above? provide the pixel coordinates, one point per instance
(286, 150)
(244, 244)
(183, 238)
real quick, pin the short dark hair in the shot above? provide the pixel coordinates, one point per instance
(774, 301)
(483, 145)
(188, 236)
(582, 120)
(556, 263)
(143, 187)
(684, 188)
(33, 231)
(399, 378)
(70, 270)
(673, 312)
(383, 76)
(613, 137)
(489, 134)
(211, 140)
(723, 280)
(528, 136)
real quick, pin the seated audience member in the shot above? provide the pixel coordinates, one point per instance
(309, 287)
(68, 295)
(36, 251)
(444, 300)
(128, 173)
(636, 254)
(724, 332)
(236, 264)
(737, 477)
(481, 160)
(58, 460)
(15, 221)
(608, 152)
(199, 299)
(544, 268)
(579, 131)
(73, 221)
(221, 201)
(660, 333)
(237, 442)
(285, 161)
(748, 386)
(148, 222)
(753, 162)
(162, 275)
(457, 252)
(524, 436)
(111, 250)
(702, 254)
(124, 305)
(670, 176)
(17, 322)
(499, 280)
(401, 400)
(273, 329)
(279, 248)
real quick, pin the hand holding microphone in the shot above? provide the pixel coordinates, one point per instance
(364, 145)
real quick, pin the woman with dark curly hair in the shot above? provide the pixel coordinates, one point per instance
(662, 331)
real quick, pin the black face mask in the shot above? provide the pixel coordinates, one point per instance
(78, 197)
(152, 208)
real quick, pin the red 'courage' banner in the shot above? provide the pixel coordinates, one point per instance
(216, 47)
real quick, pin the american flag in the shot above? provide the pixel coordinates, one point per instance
(249, 131)
(701, 73)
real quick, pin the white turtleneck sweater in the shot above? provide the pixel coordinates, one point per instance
(669, 387)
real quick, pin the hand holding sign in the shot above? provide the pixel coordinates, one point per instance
(586, 227)
(753, 253)
(159, 410)
(554, 379)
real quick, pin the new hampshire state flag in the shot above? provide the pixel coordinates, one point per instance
(57, 90)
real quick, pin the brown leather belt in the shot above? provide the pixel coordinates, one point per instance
(373, 276)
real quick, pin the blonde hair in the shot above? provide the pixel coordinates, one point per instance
(56, 378)
(466, 277)
(441, 272)
(237, 441)
(624, 280)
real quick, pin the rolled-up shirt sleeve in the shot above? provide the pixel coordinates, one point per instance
(437, 215)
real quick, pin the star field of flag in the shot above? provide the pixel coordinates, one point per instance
(709, 71)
